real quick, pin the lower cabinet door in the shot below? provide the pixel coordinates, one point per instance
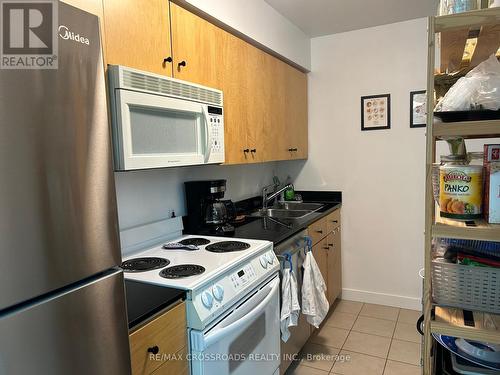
(156, 343)
(320, 252)
(334, 265)
(177, 365)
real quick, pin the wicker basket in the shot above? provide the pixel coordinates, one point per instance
(466, 287)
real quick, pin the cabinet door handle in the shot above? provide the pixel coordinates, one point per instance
(330, 245)
(335, 221)
(319, 231)
(182, 63)
(246, 150)
(292, 149)
(154, 349)
(253, 150)
(167, 60)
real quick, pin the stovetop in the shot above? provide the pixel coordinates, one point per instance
(205, 264)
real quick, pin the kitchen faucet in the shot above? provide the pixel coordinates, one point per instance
(267, 198)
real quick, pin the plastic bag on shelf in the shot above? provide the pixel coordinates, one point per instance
(479, 89)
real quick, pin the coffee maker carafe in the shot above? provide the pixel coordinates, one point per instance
(206, 212)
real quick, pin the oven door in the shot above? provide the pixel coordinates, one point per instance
(245, 342)
(154, 131)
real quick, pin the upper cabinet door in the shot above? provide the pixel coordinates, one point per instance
(274, 133)
(138, 34)
(197, 47)
(91, 6)
(295, 97)
(236, 109)
(210, 56)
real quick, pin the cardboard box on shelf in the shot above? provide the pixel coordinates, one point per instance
(491, 197)
(494, 194)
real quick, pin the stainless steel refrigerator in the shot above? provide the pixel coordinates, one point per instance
(62, 303)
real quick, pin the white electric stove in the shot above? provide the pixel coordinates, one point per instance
(232, 300)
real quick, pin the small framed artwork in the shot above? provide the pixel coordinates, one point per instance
(418, 109)
(376, 112)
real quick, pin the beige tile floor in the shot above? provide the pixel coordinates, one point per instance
(363, 339)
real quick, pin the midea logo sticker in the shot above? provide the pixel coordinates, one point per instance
(66, 34)
(28, 37)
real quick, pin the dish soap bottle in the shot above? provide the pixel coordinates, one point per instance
(290, 193)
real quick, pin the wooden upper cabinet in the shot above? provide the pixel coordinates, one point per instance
(295, 97)
(272, 128)
(265, 99)
(198, 48)
(138, 34)
(91, 6)
(236, 88)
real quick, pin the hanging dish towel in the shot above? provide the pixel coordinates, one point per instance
(314, 303)
(290, 307)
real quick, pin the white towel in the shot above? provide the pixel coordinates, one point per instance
(314, 303)
(290, 306)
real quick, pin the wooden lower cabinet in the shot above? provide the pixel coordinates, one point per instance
(175, 367)
(333, 221)
(320, 252)
(334, 283)
(325, 234)
(157, 347)
(318, 230)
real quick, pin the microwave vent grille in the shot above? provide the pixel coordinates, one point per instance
(164, 86)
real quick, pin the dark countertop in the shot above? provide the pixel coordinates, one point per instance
(265, 229)
(144, 300)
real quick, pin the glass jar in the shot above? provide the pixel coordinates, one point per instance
(436, 168)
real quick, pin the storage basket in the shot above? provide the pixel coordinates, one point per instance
(466, 287)
(481, 248)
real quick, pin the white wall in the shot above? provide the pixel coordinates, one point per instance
(381, 173)
(151, 195)
(264, 24)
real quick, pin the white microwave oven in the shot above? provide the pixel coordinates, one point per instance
(160, 122)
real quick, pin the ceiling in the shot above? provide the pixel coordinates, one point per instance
(324, 17)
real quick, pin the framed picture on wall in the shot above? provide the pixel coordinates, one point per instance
(418, 109)
(376, 112)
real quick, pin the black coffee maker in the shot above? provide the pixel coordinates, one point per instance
(206, 212)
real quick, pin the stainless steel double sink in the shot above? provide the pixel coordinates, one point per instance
(288, 210)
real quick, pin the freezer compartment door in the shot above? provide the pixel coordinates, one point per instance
(80, 331)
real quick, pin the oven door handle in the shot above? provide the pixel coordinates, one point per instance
(240, 323)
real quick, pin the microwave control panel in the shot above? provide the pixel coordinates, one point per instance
(216, 123)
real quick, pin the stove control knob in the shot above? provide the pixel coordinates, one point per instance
(263, 261)
(270, 258)
(207, 300)
(218, 292)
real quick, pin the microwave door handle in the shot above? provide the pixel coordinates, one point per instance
(208, 134)
(224, 332)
